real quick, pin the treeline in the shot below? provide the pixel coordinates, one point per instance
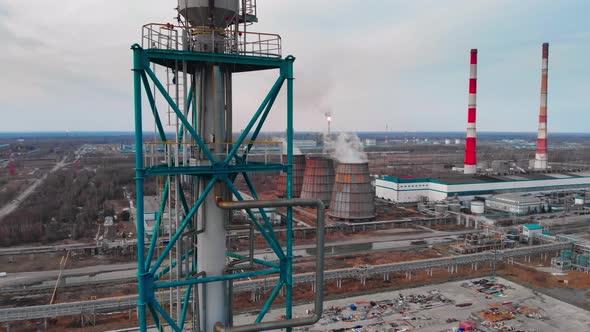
(68, 204)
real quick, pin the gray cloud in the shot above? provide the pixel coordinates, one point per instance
(372, 63)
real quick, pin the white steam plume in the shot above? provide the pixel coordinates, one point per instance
(346, 148)
(283, 140)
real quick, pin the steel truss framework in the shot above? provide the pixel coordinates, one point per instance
(221, 170)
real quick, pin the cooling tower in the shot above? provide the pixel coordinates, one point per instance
(318, 180)
(298, 171)
(353, 196)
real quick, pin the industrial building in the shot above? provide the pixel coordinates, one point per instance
(517, 203)
(529, 230)
(406, 190)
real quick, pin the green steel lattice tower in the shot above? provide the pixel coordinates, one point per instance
(186, 274)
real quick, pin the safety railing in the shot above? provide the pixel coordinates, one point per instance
(160, 36)
(161, 153)
(203, 39)
(260, 44)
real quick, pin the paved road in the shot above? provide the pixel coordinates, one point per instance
(14, 204)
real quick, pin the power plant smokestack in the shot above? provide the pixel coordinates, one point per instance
(353, 195)
(11, 168)
(318, 180)
(298, 172)
(470, 166)
(541, 155)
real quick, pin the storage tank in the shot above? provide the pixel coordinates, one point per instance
(422, 207)
(455, 207)
(477, 207)
(298, 172)
(318, 179)
(199, 14)
(441, 208)
(353, 195)
(431, 204)
(209, 20)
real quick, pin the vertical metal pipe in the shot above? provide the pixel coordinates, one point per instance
(541, 154)
(139, 181)
(197, 97)
(289, 235)
(177, 178)
(229, 108)
(470, 166)
(211, 242)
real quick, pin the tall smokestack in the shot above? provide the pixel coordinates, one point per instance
(11, 168)
(541, 155)
(471, 141)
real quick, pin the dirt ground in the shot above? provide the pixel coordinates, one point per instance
(50, 261)
(103, 322)
(352, 260)
(538, 279)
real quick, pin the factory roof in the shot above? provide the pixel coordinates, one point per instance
(533, 226)
(516, 198)
(470, 179)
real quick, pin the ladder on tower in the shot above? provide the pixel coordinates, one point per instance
(176, 89)
(247, 13)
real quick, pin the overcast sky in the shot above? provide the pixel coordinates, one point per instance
(65, 65)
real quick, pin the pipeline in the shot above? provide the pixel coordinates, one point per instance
(319, 275)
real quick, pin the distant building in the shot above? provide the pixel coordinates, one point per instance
(108, 221)
(151, 206)
(529, 230)
(127, 148)
(405, 190)
(370, 142)
(305, 143)
(516, 203)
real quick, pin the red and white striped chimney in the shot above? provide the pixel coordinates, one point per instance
(541, 155)
(470, 166)
(11, 168)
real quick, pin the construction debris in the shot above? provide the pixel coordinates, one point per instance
(407, 305)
